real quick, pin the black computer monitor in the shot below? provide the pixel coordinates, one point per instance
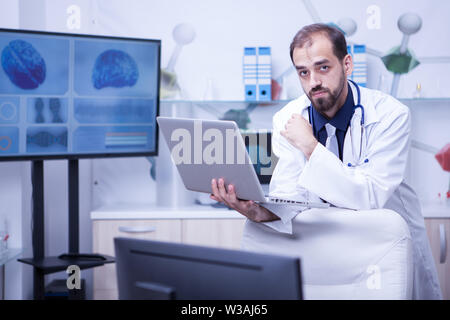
(77, 96)
(161, 270)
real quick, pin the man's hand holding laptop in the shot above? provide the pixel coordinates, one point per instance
(249, 209)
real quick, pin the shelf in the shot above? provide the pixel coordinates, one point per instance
(9, 255)
(257, 115)
(441, 100)
(271, 102)
(436, 210)
(253, 115)
(277, 102)
(49, 265)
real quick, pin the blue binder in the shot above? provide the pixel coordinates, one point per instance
(264, 74)
(250, 74)
(359, 74)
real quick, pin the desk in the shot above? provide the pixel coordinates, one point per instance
(205, 225)
(153, 211)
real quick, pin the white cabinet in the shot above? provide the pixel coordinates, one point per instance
(222, 233)
(104, 232)
(438, 230)
(199, 226)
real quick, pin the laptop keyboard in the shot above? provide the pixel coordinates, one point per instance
(278, 200)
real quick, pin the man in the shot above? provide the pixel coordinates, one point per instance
(349, 156)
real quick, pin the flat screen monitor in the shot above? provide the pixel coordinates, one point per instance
(149, 269)
(259, 148)
(77, 96)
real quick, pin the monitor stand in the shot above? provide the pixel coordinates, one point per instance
(82, 256)
(45, 265)
(74, 225)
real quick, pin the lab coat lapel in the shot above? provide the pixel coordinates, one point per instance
(354, 144)
(347, 156)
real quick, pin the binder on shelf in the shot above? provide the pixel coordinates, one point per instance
(250, 73)
(264, 71)
(359, 74)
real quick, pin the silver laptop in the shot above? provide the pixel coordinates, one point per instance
(207, 149)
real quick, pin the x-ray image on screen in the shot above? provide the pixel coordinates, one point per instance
(47, 110)
(33, 65)
(9, 110)
(109, 138)
(114, 68)
(46, 139)
(9, 140)
(68, 95)
(23, 64)
(113, 110)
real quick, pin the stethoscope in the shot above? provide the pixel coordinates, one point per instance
(358, 105)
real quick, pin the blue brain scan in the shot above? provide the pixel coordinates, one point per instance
(114, 68)
(23, 64)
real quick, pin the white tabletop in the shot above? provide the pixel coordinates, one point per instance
(9, 255)
(153, 211)
(436, 210)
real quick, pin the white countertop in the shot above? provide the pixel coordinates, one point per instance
(436, 210)
(153, 211)
(9, 255)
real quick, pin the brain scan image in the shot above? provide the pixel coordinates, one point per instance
(114, 68)
(23, 64)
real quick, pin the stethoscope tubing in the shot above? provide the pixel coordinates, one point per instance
(358, 105)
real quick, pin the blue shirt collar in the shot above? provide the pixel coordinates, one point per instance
(341, 119)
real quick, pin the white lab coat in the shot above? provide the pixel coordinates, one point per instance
(377, 183)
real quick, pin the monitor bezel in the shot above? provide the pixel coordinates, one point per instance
(173, 254)
(71, 156)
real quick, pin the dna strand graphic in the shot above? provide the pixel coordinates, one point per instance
(46, 139)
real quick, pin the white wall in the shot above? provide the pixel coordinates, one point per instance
(11, 218)
(17, 191)
(11, 193)
(431, 126)
(223, 28)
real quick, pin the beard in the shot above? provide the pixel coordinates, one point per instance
(327, 102)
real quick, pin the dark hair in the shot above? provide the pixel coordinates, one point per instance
(336, 37)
